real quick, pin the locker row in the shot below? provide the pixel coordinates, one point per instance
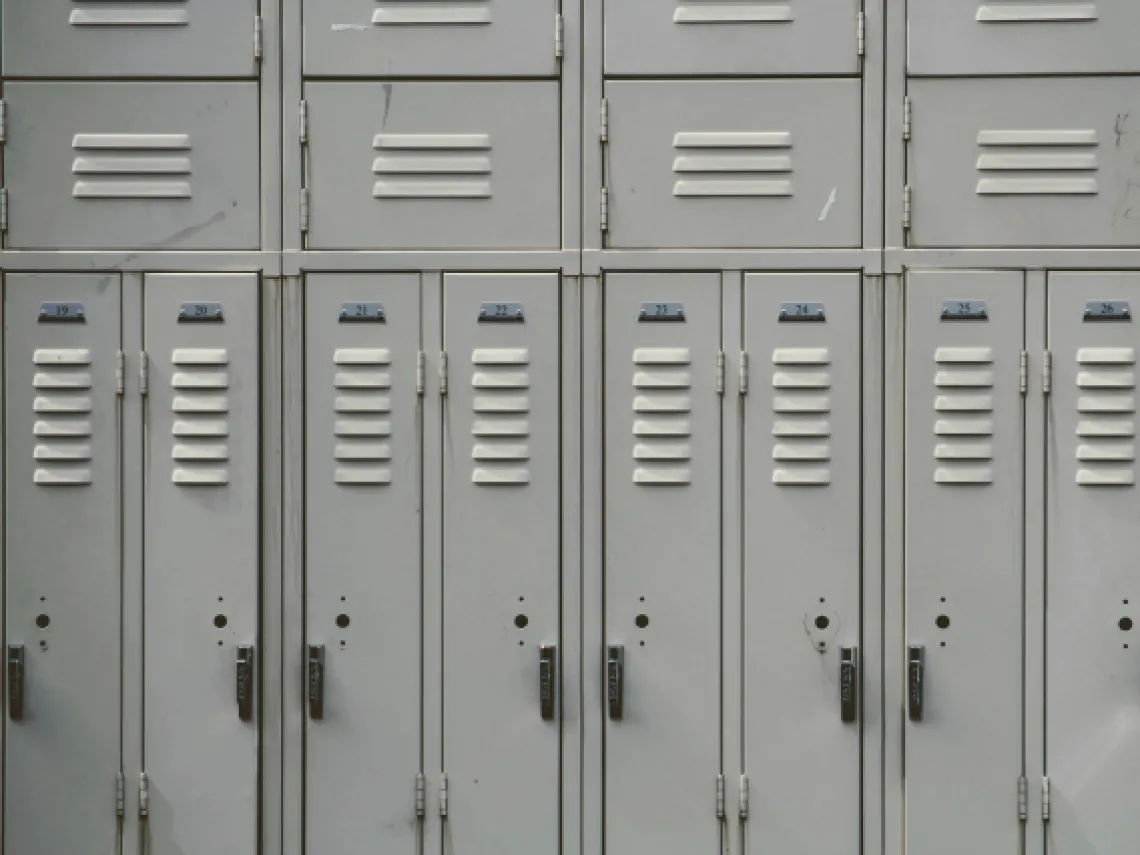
(220, 39)
(732, 589)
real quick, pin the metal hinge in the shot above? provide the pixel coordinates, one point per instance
(258, 37)
(744, 372)
(421, 795)
(120, 795)
(906, 118)
(1024, 378)
(1047, 373)
(559, 35)
(720, 373)
(743, 798)
(443, 372)
(861, 34)
(443, 795)
(604, 130)
(906, 207)
(304, 210)
(421, 372)
(1046, 804)
(1022, 799)
(144, 795)
(304, 116)
(605, 209)
(144, 373)
(3, 209)
(120, 378)
(720, 796)
(3, 121)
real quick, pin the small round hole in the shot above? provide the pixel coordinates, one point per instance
(943, 643)
(1124, 601)
(943, 599)
(643, 644)
(220, 643)
(823, 599)
(521, 643)
(521, 621)
(43, 644)
(522, 599)
(342, 599)
(822, 622)
(342, 621)
(44, 600)
(822, 645)
(221, 599)
(43, 621)
(641, 599)
(220, 621)
(342, 643)
(642, 621)
(1125, 623)
(942, 621)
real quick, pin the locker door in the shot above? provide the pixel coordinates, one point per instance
(201, 562)
(159, 38)
(662, 562)
(502, 570)
(425, 37)
(674, 37)
(801, 578)
(964, 561)
(1013, 37)
(362, 550)
(1092, 745)
(63, 562)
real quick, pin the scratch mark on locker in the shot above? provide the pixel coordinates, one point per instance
(827, 206)
(1121, 127)
(339, 28)
(189, 231)
(387, 104)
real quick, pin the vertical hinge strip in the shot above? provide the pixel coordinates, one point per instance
(304, 210)
(120, 373)
(421, 795)
(1024, 378)
(605, 209)
(3, 121)
(743, 798)
(861, 34)
(906, 206)
(443, 795)
(720, 373)
(258, 37)
(144, 373)
(421, 373)
(1022, 799)
(1046, 804)
(443, 372)
(906, 118)
(744, 372)
(304, 116)
(3, 209)
(1047, 373)
(604, 130)
(720, 796)
(120, 795)
(559, 35)
(144, 795)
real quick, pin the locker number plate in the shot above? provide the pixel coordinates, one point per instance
(362, 313)
(965, 310)
(62, 313)
(661, 312)
(200, 313)
(1108, 310)
(802, 312)
(501, 313)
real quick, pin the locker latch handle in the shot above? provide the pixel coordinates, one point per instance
(16, 681)
(916, 667)
(316, 681)
(615, 680)
(245, 681)
(547, 676)
(849, 684)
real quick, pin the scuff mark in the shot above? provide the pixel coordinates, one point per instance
(187, 232)
(360, 28)
(827, 207)
(387, 104)
(1120, 129)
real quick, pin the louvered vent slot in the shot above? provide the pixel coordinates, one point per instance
(1106, 416)
(801, 430)
(746, 163)
(432, 166)
(964, 415)
(131, 166)
(362, 422)
(129, 13)
(63, 410)
(662, 405)
(1020, 11)
(500, 448)
(732, 12)
(200, 381)
(1037, 163)
(394, 13)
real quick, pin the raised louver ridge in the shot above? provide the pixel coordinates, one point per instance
(63, 408)
(662, 406)
(131, 166)
(801, 426)
(130, 13)
(500, 431)
(1019, 12)
(432, 166)
(732, 163)
(200, 383)
(732, 12)
(392, 13)
(1037, 163)
(964, 415)
(1106, 424)
(362, 424)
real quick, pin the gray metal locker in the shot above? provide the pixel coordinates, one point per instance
(964, 553)
(431, 38)
(201, 561)
(662, 562)
(63, 562)
(501, 561)
(741, 163)
(1092, 692)
(363, 562)
(154, 38)
(1017, 37)
(433, 165)
(674, 37)
(124, 165)
(802, 579)
(1021, 162)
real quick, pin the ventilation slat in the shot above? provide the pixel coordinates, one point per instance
(200, 356)
(801, 477)
(69, 428)
(362, 475)
(59, 381)
(61, 403)
(963, 403)
(211, 451)
(801, 404)
(662, 451)
(500, 427)
(661, 379)
(500, 380)
(362, 426)
(662, 427)
(72, 477)
(500, 477)
(732, 13)
(362, 380)
(1043, 13)
(964, 475)
(969, 355)
(62, 356)
(662, 403)
(801, 356)
(808, 427)
(355, 450)
(362, 356)
(200, 380)
(1106, 356)
(205, 477)
(966, 379)
(500, 356)
(406, 13)
(62, 452)
(362, 403)
(801, 380)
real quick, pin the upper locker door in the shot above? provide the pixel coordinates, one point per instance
(129, 38)
(448, 38)
(742, 163)
(1025, 162)
(802, 579)
(668, 37)
(63, 562)
(662, 562)
(362, 548)
(1015, 37)
(964, 561)
(1092, 702)
(201, 561)
(502, 562)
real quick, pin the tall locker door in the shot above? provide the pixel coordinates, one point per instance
(63, 562)
(501, 562)
(362, 547)
(1092, 700)
(662, 562)
(201, 562)
(964, 561)
(802, 561)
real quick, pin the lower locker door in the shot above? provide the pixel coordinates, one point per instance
(1092, 702)
(201, 562)
(501, 563)
(802, 562)
(362, 546)
(964, 556)
(62, 562)
(662, 562)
